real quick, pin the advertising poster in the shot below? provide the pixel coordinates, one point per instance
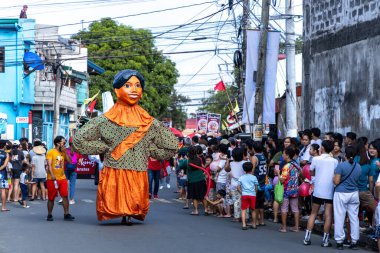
(86, 169)
(202, 122)
(213, 123)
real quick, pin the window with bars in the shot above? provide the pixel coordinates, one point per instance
(2, 59)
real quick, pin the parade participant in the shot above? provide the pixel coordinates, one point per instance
(127, 135)
(4, 159)
(56, 179)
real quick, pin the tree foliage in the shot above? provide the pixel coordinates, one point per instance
(175, 110)
(218, 102)
(115, 47)
(298, 44)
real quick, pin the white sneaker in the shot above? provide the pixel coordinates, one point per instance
(168, 186)
(25, 206)
(72, 202)
(161, 187)
(60, 201)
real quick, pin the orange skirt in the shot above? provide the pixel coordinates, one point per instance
(122, 193)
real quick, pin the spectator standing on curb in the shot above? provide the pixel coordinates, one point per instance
(24, 182)
(290, 179)
(322, 167)
(17, 158)
(346, 198)
(71, 170)
(56, 179)
(4, 159)
(260, 171)
(154, 170)
(38, 171)
(247, 187)
(305, 151)
(23, 12)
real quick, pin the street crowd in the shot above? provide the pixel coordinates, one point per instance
(28, 172)
(330, 181)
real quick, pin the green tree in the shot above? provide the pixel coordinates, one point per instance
(218, 102)
(176, 111)
(115, 47)
(299, 46)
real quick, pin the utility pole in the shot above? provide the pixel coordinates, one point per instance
(290, 50)
(261, 66)
(57, 96)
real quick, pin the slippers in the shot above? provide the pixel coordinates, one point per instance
(262, 225)
(5, 210)
(282, 230)
(185, 207)
(254, 227)
(244, 228)
(196, 214)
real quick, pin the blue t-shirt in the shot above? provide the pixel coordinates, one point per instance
(248, 184)
(3, 172)
(374, 167)
(367, 171)
(350, 184)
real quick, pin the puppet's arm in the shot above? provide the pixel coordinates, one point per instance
(164, 143)
(87, 140)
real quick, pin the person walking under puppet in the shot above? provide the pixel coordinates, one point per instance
(127, 135)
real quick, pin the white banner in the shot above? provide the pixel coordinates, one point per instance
(269, 107)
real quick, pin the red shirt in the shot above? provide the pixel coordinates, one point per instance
(154, 164)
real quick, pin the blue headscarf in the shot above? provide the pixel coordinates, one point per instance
(123, 76)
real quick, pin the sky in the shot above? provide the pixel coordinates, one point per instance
(205, 26)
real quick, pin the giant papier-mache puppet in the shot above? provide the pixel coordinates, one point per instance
(127, 135)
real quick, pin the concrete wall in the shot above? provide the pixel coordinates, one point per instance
(341, 86)
(45, 92)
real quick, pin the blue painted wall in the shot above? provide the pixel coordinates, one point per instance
(17, 93)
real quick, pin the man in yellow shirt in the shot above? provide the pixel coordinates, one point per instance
(56, 179)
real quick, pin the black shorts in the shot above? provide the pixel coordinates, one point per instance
(260, 199)
(16, 174)
(320, 201)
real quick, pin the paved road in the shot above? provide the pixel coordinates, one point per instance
(168, 228)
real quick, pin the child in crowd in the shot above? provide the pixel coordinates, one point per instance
(212, 192)
(182, 174)
(221, 175)
(219, 203)
(235, 169)
(24, 182)
(247, 187)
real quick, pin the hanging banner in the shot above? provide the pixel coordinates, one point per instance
(213, 123)
(269, 107)
(202, 120)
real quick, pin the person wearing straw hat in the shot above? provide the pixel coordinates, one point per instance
(38, 170)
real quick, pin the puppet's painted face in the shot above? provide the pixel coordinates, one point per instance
(131, 92)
